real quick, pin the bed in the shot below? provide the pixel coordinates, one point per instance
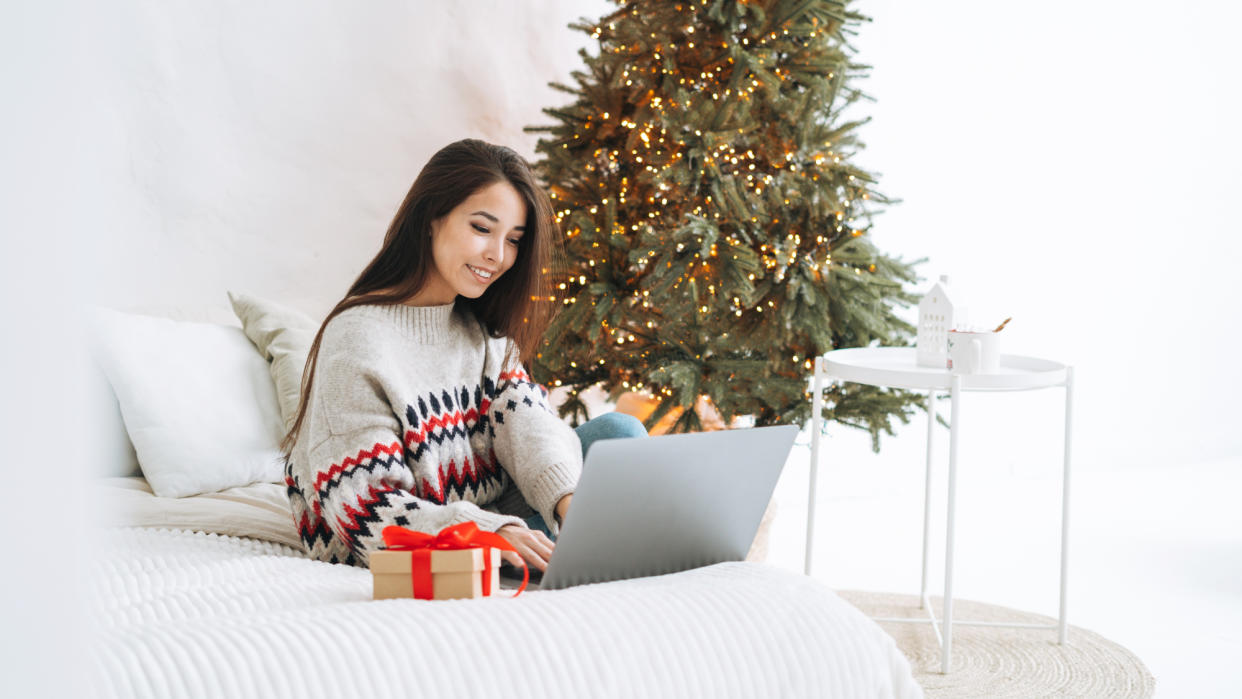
(190, 608)
(200, 587)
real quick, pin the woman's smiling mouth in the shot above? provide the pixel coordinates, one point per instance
(481, 274)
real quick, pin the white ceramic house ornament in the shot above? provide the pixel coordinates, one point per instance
(937, 316)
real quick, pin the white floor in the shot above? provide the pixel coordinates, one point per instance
(1155, 553)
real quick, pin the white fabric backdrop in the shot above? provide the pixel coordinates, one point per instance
(267, 147)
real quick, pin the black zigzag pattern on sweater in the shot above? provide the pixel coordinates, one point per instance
(314, 530)
(444, 418)
(486, 477)
(317, 538)
(362, 523)
(383, 462)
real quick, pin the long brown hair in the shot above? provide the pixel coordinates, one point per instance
(519, 305)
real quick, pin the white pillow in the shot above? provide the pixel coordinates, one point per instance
(198, 401)
(105, 439)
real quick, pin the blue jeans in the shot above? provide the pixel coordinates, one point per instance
(606, 426)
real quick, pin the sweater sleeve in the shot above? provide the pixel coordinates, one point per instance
(541, 453)
(358, 473)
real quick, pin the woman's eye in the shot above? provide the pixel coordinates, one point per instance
(479, 228)
(515, 241)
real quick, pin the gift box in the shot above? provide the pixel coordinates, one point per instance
(460, 562)
(459, 574)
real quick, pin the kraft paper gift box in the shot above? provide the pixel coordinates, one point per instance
(455, 574)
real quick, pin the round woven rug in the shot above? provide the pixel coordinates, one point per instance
(1004, 662)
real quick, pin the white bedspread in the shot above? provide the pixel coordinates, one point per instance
(203, 615)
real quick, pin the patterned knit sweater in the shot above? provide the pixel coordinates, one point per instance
(412, 420)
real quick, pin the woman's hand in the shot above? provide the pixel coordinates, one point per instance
(533, 546)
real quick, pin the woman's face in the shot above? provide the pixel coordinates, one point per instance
(474, 244)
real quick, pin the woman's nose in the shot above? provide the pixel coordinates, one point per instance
(495, 249)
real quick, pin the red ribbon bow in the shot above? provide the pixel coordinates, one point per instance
(459, 536)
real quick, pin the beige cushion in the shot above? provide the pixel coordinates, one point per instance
(283, 336)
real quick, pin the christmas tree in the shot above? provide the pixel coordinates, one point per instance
(716, 228)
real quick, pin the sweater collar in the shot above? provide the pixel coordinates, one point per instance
(427, 325)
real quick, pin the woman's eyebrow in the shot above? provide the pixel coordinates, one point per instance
(493, 219)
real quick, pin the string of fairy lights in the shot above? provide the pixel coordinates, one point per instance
(659, 152)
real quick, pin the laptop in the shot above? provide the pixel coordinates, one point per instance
(663, 504)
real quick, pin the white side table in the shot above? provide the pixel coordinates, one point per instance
(895, 367)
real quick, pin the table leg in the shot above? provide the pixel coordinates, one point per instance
(946, 651)
(1063, 627)
(931, 432)
(817, 404)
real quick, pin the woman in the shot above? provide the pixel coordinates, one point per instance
(415, 408)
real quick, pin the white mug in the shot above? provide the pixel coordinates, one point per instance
(974, 352)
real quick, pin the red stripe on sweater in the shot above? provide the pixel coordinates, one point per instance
(379, 448)
(451, 420)
(468, 475)
(364, 509)
(304, 525)
(427, 492)
(521, 375)
(514, 374)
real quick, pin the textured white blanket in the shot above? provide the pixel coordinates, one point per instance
(202, 615)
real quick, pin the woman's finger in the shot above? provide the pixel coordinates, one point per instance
(543, 546)
(514, 559)
(532, 556)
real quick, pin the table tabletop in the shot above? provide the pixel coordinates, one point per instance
(897, 367)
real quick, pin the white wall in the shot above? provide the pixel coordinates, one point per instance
(1074, 165)
(1070, 167)
(265, 147)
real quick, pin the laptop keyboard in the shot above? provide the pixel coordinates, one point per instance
(508, 571)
